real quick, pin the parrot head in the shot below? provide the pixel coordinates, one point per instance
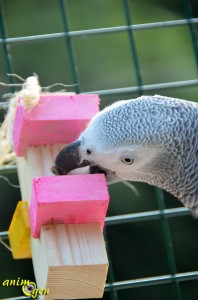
(151, 139)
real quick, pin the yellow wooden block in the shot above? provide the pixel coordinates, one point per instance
(19, 232)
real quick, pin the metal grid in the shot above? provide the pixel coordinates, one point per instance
(162, 214)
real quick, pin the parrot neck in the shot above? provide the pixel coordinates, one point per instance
(168, 172)
(157, 167)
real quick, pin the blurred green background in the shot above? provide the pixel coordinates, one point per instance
(105, 62)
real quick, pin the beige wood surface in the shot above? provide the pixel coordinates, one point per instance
(69, 260)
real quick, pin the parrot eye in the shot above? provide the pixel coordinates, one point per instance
(88, 151)
(127, 160)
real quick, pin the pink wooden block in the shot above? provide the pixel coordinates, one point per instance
(68, 199)
(58, 118)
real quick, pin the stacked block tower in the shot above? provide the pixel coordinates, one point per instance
(67, 212)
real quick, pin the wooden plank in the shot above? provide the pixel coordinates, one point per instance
(36, 162)
(71, 261)
(23, 180)
(68, 199)
(60, 199)
(57, 119)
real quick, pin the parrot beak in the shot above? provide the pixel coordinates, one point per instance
(68, 159)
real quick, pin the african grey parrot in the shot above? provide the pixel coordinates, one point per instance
(152, 139)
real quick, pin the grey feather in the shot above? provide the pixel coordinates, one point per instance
(159, 133)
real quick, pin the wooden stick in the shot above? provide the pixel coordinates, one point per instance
(69, 259)
(37, 162)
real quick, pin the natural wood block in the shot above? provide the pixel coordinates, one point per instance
(70, 260)
(57, 255)
(57, 119)
(68, 199)
(19, 232)
(36, 162)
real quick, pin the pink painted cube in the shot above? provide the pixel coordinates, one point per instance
(57, 119)
(68, 199)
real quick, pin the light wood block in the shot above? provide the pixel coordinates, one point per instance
(71, 261)
(57, 119)
(68, 199)
(58, 254)
(36, 162)
(19, 232)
